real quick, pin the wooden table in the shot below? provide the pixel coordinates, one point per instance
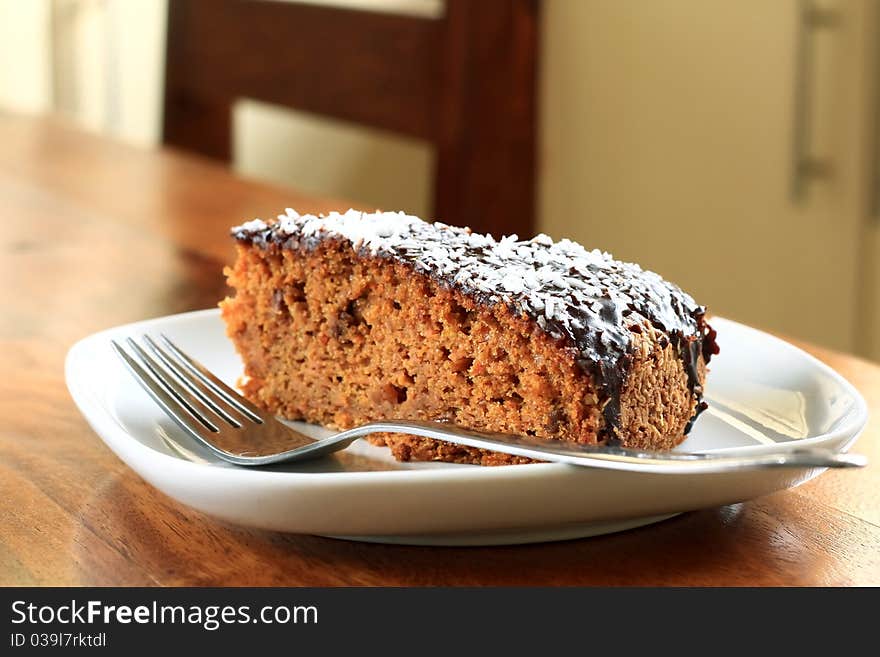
(96, 234)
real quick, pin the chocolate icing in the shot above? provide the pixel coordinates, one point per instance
(587, 300)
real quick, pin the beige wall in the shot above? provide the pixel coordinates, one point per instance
(107, 60)
(25, 72)
(667, 139)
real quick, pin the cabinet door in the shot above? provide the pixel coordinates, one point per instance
(669, 135)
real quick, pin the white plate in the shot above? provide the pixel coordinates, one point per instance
(761, 390)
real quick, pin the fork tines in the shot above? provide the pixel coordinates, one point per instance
(187, 391)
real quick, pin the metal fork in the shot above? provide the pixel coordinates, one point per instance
(236, 431)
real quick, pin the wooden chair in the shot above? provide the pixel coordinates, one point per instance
(464, 82)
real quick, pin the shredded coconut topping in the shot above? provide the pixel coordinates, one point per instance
(565, 287)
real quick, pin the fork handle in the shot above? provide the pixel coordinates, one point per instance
(614, 458)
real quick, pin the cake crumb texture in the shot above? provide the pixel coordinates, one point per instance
(337, 334)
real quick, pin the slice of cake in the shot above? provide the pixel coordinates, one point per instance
(347, 318)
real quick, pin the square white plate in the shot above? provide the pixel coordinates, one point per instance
(761, 392)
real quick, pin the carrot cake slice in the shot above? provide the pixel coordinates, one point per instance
(352, 317)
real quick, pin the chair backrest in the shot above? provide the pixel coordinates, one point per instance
(466, 82)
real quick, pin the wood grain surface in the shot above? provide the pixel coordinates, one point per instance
(95, 234)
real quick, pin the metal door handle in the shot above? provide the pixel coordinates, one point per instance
(805, 166)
